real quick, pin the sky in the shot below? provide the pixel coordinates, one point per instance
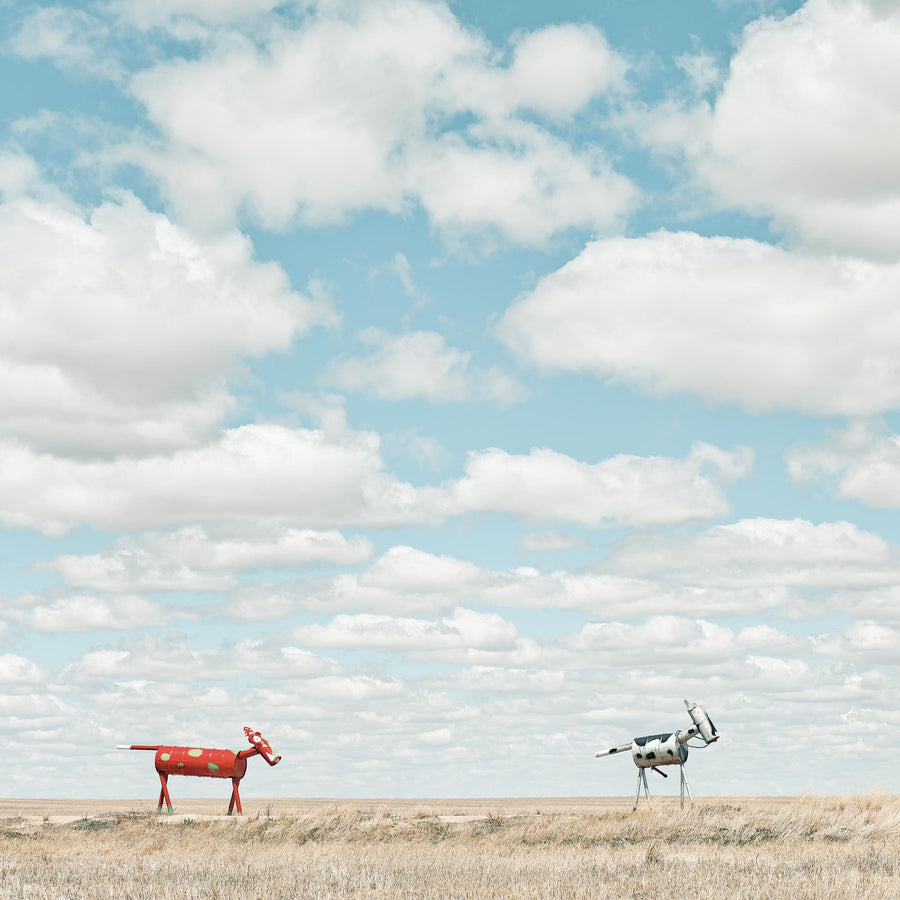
(448, 390)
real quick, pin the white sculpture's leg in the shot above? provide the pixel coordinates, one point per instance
(646, 787)
(637, 794)
(685, 784)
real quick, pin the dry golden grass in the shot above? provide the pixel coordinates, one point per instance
(805, 848)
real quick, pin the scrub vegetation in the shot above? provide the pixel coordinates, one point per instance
(803, 848)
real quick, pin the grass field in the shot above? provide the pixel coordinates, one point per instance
(570, 848)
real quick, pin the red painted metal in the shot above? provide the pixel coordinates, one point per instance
(200, 762)
(206, 763)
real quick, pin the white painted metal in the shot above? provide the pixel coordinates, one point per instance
(702, 721)
(658, 750)
(655, 750)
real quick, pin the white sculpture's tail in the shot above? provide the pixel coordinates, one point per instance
(612, 750)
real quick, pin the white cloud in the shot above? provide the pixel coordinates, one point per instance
(418, 365)
(862, 462)
(735, 321)
(191, 559)
(123, 343)
(88, 613)
(701, 69)
(494, 680)
(766, 552)
(286, 661)
(807, 126)
(19, 173)
(74, 39)
(671, 639)
(465, 630)
(403, 271)
(294, 475)
(405, 581)
(550, 486)
(559, 69)
(17, 670)
(426, 450)
(518, 180)
(864, 641)
(877, 604)
(170, 661)
(173, 13)
(372, 126)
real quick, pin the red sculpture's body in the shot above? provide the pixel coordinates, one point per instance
(206, 763)
(203, 763)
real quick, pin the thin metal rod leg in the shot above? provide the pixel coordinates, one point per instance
(685, 784)
(235, 798)
(646, 787)
(637, 794)
(164, 793)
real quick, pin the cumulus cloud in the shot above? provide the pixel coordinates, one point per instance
(304, 479)
(733, 320)
(790, 568)
(169, 660)
(18, 670)
(124, 342)
(19, 173)
(765, 551)
(419, 365)
(807, 126)
(559, 69)
(294, 475)
(666, 639)
(465, 629)
(510, 680)
(373, 124)
(177, 14)
(82, 613)
(863, 641)
(549, 486)
(405, 581)
(876, 604)
(74, 39)
(192, 559)
(518, 180)
(861, 461)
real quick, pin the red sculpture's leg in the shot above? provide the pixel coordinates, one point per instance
(164, 793)
(235, 798)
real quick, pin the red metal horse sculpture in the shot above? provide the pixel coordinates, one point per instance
(206, 763)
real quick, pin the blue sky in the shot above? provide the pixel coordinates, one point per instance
(448, 390)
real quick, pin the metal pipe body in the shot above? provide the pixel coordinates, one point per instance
(201, 762)
(658, 750)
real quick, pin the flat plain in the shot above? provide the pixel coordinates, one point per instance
(469, 848)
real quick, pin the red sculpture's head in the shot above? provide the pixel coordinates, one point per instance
(262, 746)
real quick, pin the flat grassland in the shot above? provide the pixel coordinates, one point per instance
(449, 849)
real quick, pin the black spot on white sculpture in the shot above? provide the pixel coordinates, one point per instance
(655, 750)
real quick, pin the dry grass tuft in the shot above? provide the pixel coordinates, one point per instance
(807, 848)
